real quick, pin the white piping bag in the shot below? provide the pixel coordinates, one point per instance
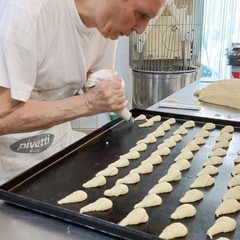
(106, 74)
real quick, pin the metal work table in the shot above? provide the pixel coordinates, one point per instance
(21, 224)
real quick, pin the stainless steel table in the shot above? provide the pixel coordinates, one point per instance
(20, 224)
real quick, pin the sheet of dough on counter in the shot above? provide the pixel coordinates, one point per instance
(223, 92)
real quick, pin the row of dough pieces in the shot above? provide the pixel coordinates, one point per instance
(151, 196)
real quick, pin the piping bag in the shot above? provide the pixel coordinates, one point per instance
(106, 74)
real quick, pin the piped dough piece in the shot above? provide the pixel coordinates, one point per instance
(192, 195)
(184, 211)
(150, 138)
(144, 168)
(218, 152)
(169, 143)
(77, 196)
(203, 181)
(131, 155)
(237, 160)
(163, 187)
(232, 193)
(117, 190)
(228, 128)
(210, 169)
(131, 178)
(236, 170)
(181, 165)
(189, 124)
(223, 143)
(176, 137)
(228, 206)
(223, 238)
(222, 225)
(164, 126)
(135, 217)
(95, 182)
(162, 151)
(148, 123)
(209, 126)
(184, 155)
(109, 171)
(151, 200)
(199, 140)
(202, 133)
(191, 146)
(174, 230)
(213, 161)
(140, 147)
(120, 163)
(158, 133)
(140, 117)
(102, 204)
(173, 175)
(223, 92)
(170, 121)
(153, 159)
(181, 130)
(234, 181)
(156, 118)
(224, 135)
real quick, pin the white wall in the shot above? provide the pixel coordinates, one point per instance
(122, 66)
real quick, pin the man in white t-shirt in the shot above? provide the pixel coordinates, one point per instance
(48, 48)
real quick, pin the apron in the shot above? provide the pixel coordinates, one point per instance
(21, 151)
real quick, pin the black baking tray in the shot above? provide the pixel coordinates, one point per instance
(40, 187)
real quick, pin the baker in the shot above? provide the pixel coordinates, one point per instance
(48, 48)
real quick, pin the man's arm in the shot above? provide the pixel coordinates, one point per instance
(17, 116)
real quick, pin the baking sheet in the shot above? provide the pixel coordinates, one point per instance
(42, 186)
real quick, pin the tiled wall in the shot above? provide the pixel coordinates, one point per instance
(122, 66)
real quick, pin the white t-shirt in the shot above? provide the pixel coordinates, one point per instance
(45, 54)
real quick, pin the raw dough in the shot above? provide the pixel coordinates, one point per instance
(191, 146)
(236, 170)
(144, 168)
(131, 178)
(163, 151)
(189, 124)
(223, 238)
(184, 211)
(158, 133)
(140, 118)
(222, 92)
(102, 204)
(202, 133)
(117, 190)
(222, 225)
(213, 161)
(153, 159)
(174, 230)
(237, 160)
(234, 181)
(173, 175)
(148, 123)
(181, 165)
(156, 118)
(209, 169)
(151, 200)
(139, 147)
(203, 181)
(209, 126)
(163, 187)
(224, 135)
(219, 152)
(199, 140)
(77, 196)
(131, 155)
(228, 206)
(164, 126)
(228, 128)
(181, 130)
(223, 143)
(136, 216)
(192, 195)
(170, 121)
(184, 155)
(109, 171)
(232, 193)
(176, 137)
(95, 182)
(169, 142)
(150, 138)
(121, 162)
